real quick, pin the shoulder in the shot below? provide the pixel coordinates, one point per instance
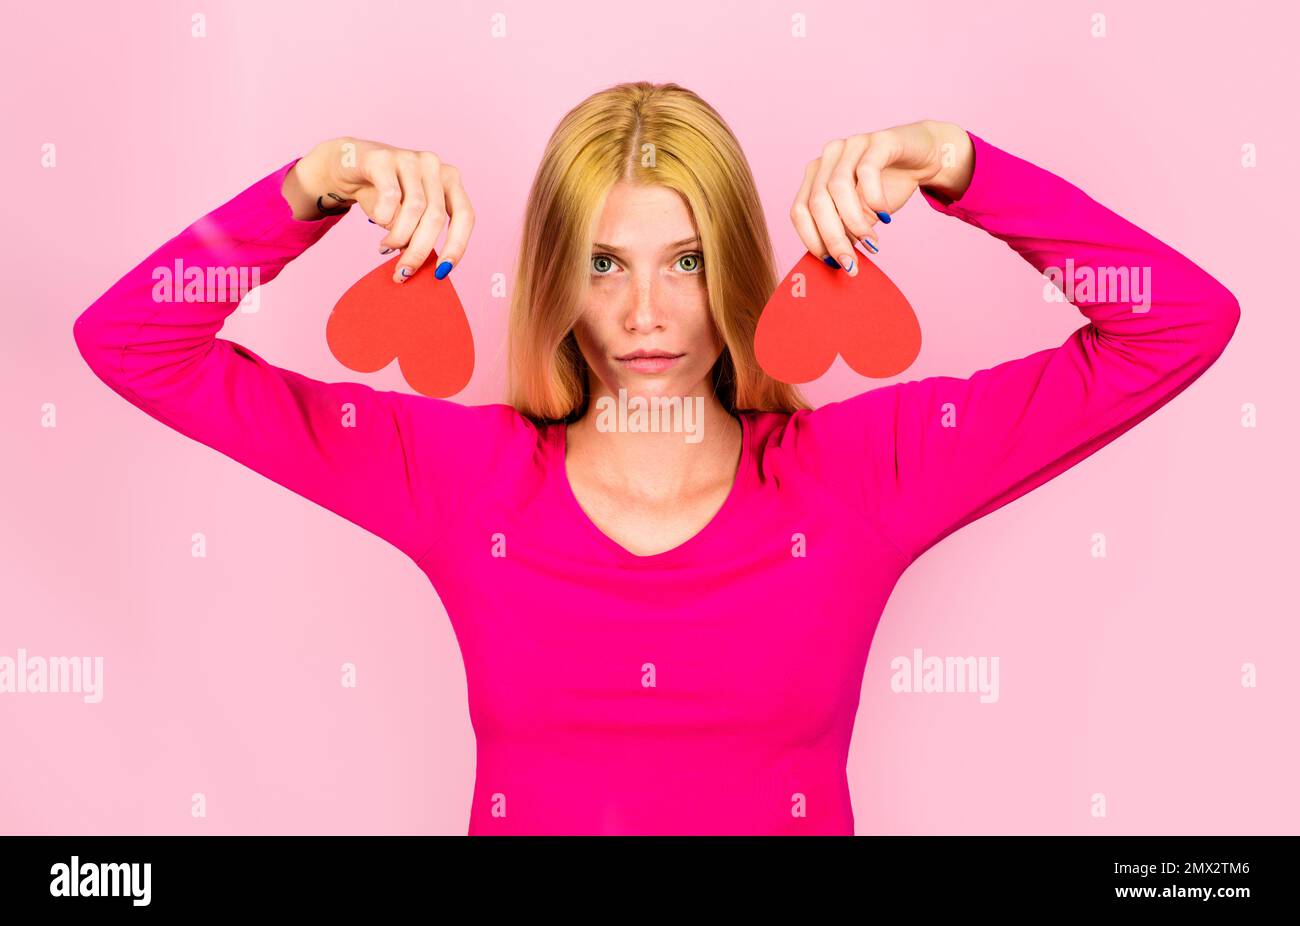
(829, 427)
(497, 418)
(844, 447)
(472, 442)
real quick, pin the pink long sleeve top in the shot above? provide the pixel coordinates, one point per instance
(711, 688)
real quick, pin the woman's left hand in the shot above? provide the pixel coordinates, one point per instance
(861, 180)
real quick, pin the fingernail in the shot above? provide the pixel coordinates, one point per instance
(388, 250)
(403, 273)
(371, 221)
(830, 262)
(444, 268)
(884, 217)
(874, 249)
(848, 263)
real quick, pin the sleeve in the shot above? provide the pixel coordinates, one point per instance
(926, 457)
(388, 462)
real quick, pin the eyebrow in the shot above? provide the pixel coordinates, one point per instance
(676, 244)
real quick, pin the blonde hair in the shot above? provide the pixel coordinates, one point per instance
(658, 134)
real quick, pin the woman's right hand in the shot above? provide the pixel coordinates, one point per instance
(411, 194)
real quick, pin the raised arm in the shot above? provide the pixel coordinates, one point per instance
(386, 461)
(926, 457)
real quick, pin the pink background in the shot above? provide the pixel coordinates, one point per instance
(1119, 676)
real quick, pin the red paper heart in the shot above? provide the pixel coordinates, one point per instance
(420, 323)
(818, 312)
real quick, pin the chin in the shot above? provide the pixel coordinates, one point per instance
(649, 385)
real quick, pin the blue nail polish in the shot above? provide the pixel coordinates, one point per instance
(831, 262)
(884, 217)
(874, 249)
(444, 268)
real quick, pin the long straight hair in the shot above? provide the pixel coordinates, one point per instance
(658, 134)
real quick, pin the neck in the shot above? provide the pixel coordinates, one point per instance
(695, 446)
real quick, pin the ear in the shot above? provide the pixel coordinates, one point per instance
(817, 313)
(420, 323)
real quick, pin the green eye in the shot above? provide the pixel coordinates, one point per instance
(695, 260)
(601, 270)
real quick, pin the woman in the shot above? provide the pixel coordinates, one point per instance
(660, 635)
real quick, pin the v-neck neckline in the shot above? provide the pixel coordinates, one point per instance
(560, 474)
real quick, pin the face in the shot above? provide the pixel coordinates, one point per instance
(647, 294)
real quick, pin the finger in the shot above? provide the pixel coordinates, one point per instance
(830, 226)
(880, 153)
(432, 220)
(413, 201)
(462, 221)
(801, 215)
(843, 188)
(383, 194)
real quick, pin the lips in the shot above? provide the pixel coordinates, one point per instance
(648, 354)
(648, 361)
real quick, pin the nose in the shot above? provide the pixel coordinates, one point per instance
(643, 312)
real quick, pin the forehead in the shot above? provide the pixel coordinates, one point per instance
(636, 215)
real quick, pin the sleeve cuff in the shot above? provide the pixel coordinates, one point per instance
(261, 214)
(986, 178)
